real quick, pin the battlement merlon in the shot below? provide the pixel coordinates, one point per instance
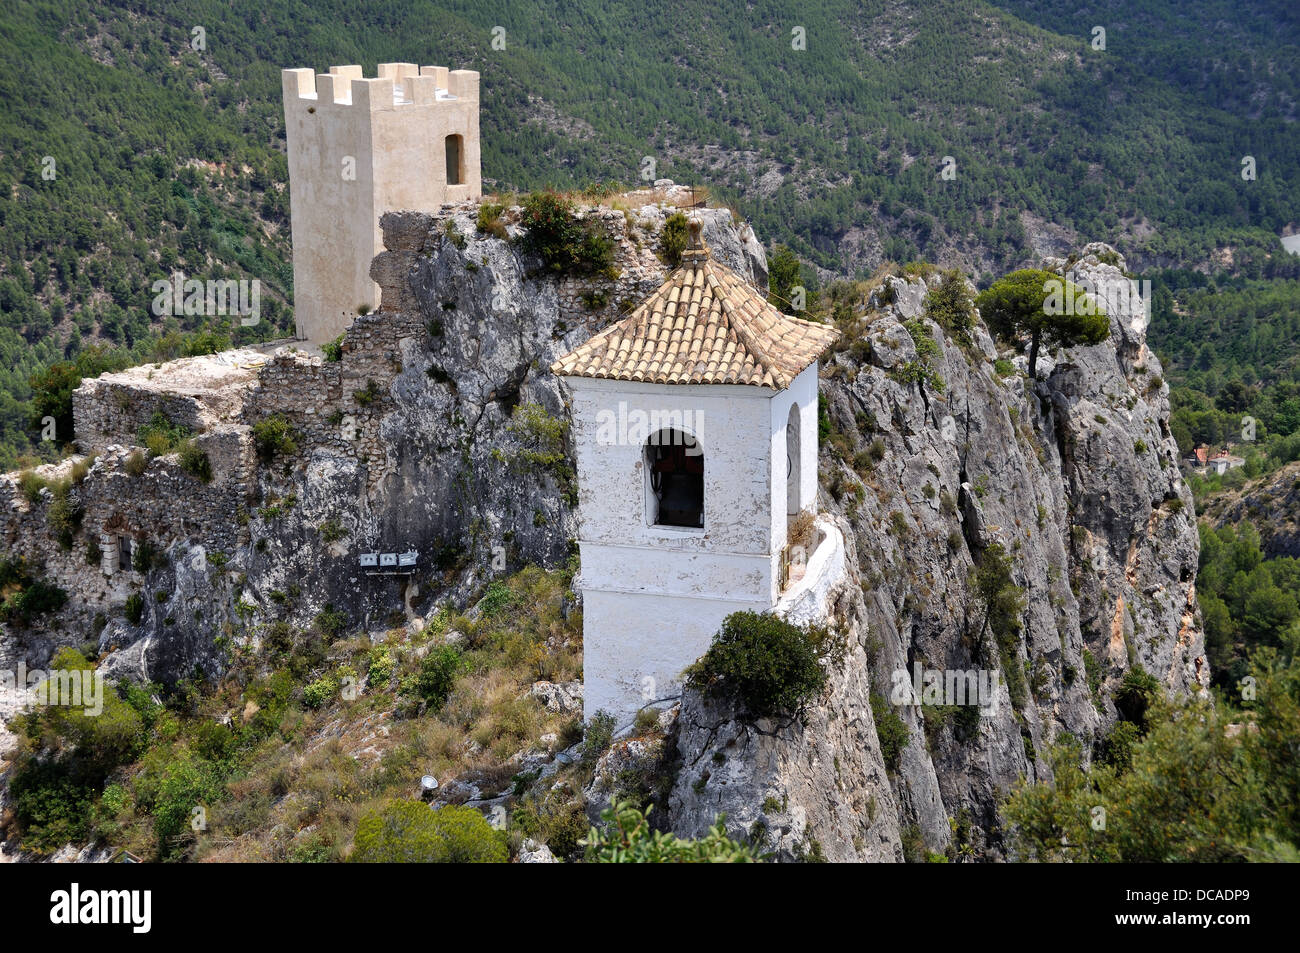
(397, 84)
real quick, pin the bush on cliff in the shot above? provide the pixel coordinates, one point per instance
(25, 597)
(674, 238)
(567, 245)
(274, 436)
(194, 461)
(764, 664)
(160, 436)
(437, 676)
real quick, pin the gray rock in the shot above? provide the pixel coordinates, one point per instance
(1077, 478)
(562, 698)
(531, 852)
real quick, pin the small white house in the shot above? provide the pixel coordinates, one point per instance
(695, 427)
(1221, 463)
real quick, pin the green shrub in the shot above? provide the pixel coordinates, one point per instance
(410, 832)
(891, 731)
(627, 838)
(598, 735)
(1137, 691)
(194, 460)
(319, 692)
(1004, 604)
(567, 246)
(381, 667)
(367, 395)
(1116, 748)
(36, 598)
(64, 515)
(489, 220)
(674, 238)
(333, 350)
(437, 675)
(26, 597)
(331, 531)
(496, 600)
(181, 785)
(764, 664)
(453, 234)
(134, 608)
(160, 436)
(949, 305)
(52, 807)
(274, 436)
(329, 621)
(542, 437)
(136, 463)
(31, 484)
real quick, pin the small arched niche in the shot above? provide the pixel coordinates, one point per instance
(455, 151)
(793, 462)
(674, 466)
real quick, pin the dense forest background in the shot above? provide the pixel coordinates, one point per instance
(127, 154)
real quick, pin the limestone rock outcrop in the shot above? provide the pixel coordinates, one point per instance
(1076, 477)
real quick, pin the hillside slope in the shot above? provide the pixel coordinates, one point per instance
(170, 158)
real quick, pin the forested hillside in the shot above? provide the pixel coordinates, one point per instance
(166, 157)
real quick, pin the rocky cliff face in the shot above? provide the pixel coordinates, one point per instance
(441, 429)
(1076, 478)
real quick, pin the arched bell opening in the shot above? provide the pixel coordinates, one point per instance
(674, 465)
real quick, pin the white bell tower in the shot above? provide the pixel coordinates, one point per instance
(695, 425)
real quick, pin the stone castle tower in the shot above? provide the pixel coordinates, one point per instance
(359, 147)
(695, 428)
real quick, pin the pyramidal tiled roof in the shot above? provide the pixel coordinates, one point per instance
(704, 325)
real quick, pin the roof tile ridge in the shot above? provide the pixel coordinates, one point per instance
(743, 334)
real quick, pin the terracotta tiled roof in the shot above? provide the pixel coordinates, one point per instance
(704, 325)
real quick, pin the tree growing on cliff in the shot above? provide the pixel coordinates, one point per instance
(1204, 784)
(791, 287)
(1043, 307)
(765, 665)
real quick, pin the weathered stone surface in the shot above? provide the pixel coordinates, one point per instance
(798, 787)
(561, 697)
(531, 852)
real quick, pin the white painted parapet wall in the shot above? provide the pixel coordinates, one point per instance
(807, 601)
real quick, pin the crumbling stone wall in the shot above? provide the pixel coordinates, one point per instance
(160, 508)
(106, 412)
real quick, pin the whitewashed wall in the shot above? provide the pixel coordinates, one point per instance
(654, 596)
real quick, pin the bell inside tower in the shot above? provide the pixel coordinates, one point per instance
(675, 464)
